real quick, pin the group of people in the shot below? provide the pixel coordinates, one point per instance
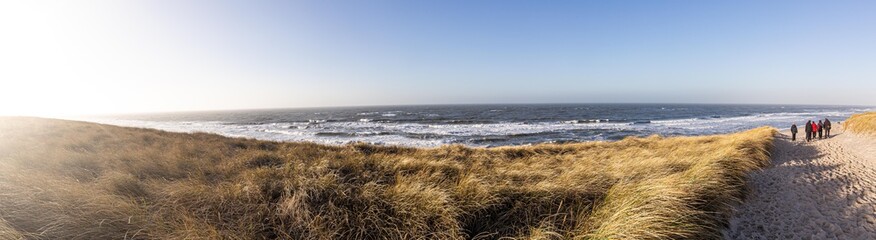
(822, 128)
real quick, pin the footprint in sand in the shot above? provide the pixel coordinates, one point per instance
(823, 189)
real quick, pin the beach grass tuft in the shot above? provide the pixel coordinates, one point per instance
(68, 180)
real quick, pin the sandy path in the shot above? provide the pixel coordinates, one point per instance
(825, 189)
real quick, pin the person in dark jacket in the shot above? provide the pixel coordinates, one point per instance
(826, 128)
(808, 129)
(820, 128)
(793, 132)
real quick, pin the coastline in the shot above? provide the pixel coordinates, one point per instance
(481, 125)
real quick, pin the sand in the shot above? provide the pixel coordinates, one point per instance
(825, 189)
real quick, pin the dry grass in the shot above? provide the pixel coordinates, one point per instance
(63, 179)
(863, 123)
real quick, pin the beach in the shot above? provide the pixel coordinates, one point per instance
(824, 189)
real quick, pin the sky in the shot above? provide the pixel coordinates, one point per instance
(96, 57)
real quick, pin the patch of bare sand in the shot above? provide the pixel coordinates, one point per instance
(825, 189)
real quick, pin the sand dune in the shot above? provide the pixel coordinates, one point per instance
(824, 189)
(77, 180)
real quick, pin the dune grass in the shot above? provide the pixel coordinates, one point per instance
(862, 123)
(64, 179)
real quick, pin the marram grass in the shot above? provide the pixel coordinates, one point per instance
(863, 123)
(64, 179)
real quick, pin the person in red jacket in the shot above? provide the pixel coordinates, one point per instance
(808, 127)
(814, 129)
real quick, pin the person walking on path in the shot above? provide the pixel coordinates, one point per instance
(826, 128)
(820, 128)
(793, 132)
(808, 129)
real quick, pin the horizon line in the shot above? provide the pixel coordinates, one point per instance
(443, 104)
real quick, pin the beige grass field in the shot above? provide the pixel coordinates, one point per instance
(64, 179)
(863, 123)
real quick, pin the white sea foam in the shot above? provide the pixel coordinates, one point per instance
(368, 130)
(429, 135)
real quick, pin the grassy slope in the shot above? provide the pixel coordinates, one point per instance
(864, 123)
(63, 179)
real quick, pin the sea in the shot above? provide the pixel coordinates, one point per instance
(483, 125)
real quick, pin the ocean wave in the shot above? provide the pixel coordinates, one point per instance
(476, 132)
(351, 134)
(586, 121)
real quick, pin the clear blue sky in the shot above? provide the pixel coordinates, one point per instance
(195, 55)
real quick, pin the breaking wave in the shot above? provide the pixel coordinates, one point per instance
(429, 129)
